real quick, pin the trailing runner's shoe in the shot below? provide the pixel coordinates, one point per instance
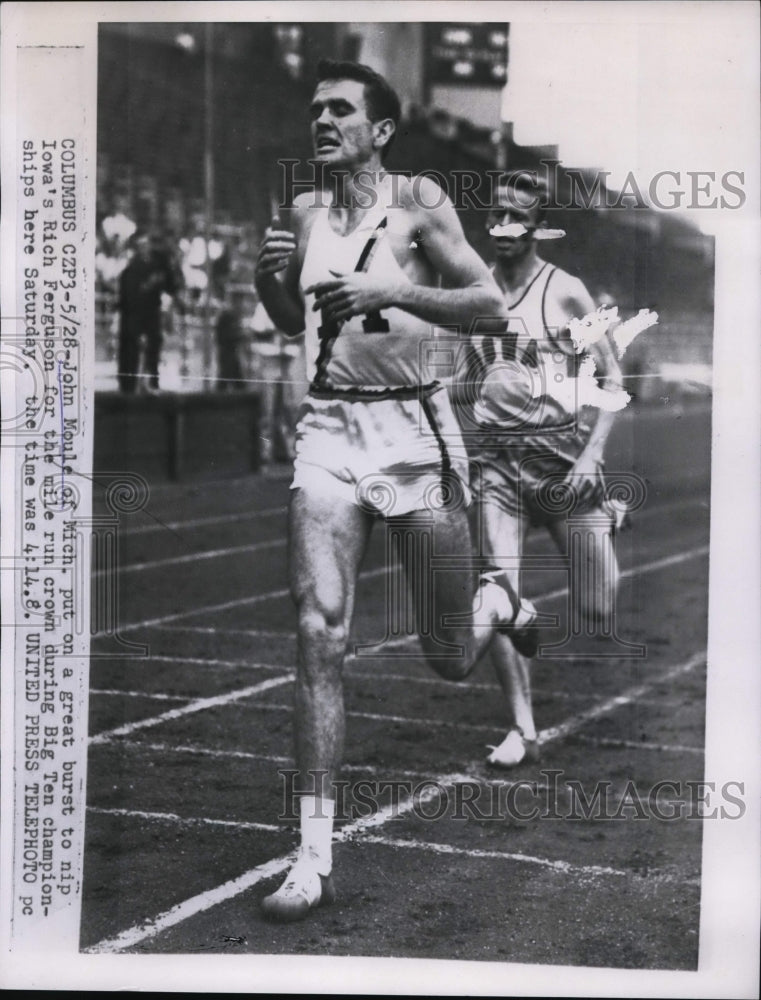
(513, 750)
(303, 890)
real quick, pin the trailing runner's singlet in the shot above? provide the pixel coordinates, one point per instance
(525, 378)
(378, 351)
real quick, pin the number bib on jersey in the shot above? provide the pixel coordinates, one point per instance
(376, 352)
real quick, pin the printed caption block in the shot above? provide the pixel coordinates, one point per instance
(48, 444)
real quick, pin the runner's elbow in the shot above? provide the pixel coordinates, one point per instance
(493, 303)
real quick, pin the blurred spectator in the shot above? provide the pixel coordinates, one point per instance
(220, 265)
(148, 275)
(281, 391)
(230, 341)
(194, 254)
(112, 245)
(108, 268)
(118, 229)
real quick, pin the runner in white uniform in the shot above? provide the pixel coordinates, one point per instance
(397, 447)
(519, 398)
(362, 273)
(527, 431)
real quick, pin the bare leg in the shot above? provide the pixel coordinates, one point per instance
(436, 555)
(327, 541)
(504, 535)
(514, 675)
(601, 573)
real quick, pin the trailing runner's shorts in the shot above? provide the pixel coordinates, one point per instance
(523, 476)
(391, 453)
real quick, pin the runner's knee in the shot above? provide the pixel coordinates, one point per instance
(322, 623)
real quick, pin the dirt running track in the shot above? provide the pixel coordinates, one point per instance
(183, 836)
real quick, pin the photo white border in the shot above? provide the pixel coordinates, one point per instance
(731, 886)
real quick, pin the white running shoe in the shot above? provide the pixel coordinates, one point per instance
(513, 750)
(303, 890)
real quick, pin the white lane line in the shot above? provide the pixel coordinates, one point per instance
(203, 522)
(635, 693)
(187, 820)
(566, 867)
(259, 633)
(167, 748)
(204, 901)
(369, 673)
(636, 745)
(193, 557)
(228, 605)
(233, 696)
(200, 705)
(146, 661)
(380, 717)
(139, 694)
(632, 694)
(468, 685)
(233, 518)
(264, 633)
(366, 675)
(651, 567)
(537, 692)
(371, 838)
(287, 763)
(379, 571)
(149, 658)
(437, 681)
(213, 897)
(191, 907)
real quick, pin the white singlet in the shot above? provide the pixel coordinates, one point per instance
(524, 379)
(375, 429)
(517, 395)
(378, 352)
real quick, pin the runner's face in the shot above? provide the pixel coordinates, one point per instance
(342, 133)
(514, 207)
